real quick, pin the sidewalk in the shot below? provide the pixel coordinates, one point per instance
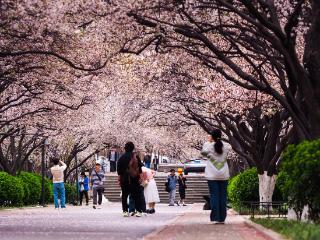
(195, 224)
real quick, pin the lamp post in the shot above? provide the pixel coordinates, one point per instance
(43, 155)
(77, 178)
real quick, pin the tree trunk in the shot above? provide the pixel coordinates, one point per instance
(266, 187)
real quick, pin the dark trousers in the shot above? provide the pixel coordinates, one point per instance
(85, 193)
(113, 166)
(218, 200)
(133, 189)
(97, 193)
(155, 166)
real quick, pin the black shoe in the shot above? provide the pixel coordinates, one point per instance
(178, 204)
(94, 207)
(152, 211)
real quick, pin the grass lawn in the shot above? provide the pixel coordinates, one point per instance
(292, 229)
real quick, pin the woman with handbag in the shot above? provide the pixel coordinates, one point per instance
(217, 173)
(97, 177)
(151, 193)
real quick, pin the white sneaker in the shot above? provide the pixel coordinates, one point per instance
(138, 214)
(125, 214)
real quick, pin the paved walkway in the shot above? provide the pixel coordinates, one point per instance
(194, 224)
(81, 223)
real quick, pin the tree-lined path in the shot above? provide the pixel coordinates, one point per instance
(81, 223)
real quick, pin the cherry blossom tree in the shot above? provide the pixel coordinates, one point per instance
(265, 46)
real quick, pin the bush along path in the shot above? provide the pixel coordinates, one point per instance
(25, 189)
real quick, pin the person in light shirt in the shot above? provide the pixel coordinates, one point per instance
(217, 173)
(58, 182)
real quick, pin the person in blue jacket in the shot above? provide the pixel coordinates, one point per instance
(84, 187)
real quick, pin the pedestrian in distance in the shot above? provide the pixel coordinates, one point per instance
(217, 173)
(58, 182)
(172, 181)
(147, 161)
(129, 170)
(182, 189)
(113, 155)
(84, 187)
(97, 177)
(155, 163)
(151, 193)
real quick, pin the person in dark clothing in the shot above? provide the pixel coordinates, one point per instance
(182, 189)
(130, 185)
(155, 163)
(147, 161)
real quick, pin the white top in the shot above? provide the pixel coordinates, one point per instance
(57, 172)
(217, 166)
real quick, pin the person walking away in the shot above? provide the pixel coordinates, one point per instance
(151, 193)
(129, 170)
(155, 163)
(97, 177)
(182, 189)
(84, 187)
(217, 173)
(58, 182)
(172, 183)
(147, 161)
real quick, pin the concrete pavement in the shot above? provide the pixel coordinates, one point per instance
(82, 223)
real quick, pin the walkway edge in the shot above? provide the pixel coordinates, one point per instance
(268, 232)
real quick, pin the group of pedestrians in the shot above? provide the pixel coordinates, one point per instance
(97, 177)
(138, 185)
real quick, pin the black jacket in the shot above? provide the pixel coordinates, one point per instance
(122, 168)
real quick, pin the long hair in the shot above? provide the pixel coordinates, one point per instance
(218, 146)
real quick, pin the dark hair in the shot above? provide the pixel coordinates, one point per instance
(172, 170)
(83, 174)
(216, 135)
(55, 160)
(129, 147)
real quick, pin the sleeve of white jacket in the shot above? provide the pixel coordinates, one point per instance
(64, 166)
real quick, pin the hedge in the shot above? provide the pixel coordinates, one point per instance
(301, 164)
(32, 187)
(48, 189)
(245, 187)
(11, 190)
(71, 193)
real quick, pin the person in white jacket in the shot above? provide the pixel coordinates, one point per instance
(58, 182)
(217, 174)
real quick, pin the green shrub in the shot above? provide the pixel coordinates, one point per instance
(71, 193)
(32, 187)
(245, 187)
(292, 229)
(48, 189)
(11, 190)
(301, 164)
(278, 194)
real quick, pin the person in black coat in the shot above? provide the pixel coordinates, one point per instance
(130, 185)
(182, 189)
